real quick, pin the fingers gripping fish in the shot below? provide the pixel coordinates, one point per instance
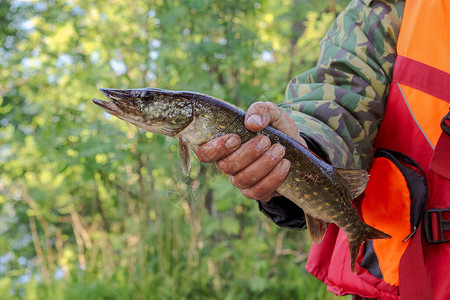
(322, 191)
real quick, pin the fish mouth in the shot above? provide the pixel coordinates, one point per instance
(108, 106)
(116, 95)
(118, 99)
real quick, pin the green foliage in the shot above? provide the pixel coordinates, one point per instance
(91, 207)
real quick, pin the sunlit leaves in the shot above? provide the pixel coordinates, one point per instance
(110, 203)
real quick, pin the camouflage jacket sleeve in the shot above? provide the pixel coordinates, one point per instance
(340, 103)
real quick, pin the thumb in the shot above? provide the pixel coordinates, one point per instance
(262, 114)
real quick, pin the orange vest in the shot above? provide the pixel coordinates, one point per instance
(408, 179)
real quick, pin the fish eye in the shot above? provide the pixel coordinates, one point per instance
(146, 95)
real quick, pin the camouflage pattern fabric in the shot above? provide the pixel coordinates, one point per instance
(340, 103)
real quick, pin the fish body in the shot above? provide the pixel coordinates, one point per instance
(322, 191)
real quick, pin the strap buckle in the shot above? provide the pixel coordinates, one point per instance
(445, 123)
(435, 226)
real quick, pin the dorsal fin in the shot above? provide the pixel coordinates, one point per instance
(355, 180)
(316, 227)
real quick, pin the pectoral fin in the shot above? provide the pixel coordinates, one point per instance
(184, 152)
(355, 180)
(317, 228)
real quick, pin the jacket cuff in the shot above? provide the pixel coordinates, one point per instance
(283, 212)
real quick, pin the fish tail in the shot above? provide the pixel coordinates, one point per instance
(370, 233)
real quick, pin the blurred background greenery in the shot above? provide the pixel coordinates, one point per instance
(93, 208)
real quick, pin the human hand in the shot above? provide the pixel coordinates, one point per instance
(256, 168)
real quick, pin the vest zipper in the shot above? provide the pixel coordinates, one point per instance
(414, 229)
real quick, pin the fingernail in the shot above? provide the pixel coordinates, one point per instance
(278, 151)
(285, 165)
(231, 142)
(255, 119)
(263, 142)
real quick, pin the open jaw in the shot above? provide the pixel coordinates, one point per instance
(108, 106)
(116, 97)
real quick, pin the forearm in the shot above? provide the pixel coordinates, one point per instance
(340, 103)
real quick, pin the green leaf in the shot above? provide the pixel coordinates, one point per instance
(231, 225)
(97, 187)
(5, 286)
(257, 284)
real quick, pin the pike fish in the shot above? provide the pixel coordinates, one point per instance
(321, 190)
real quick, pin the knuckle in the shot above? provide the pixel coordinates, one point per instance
(284, 122)
(207, 154)
(257, 194)
(272, 105)
(217, 148)
(242, 181)
(248, 194)
(274, 108)
(277, 177)
(226, 166)
(260, 191)
(257, 106)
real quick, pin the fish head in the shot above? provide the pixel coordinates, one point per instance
(153, 110)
